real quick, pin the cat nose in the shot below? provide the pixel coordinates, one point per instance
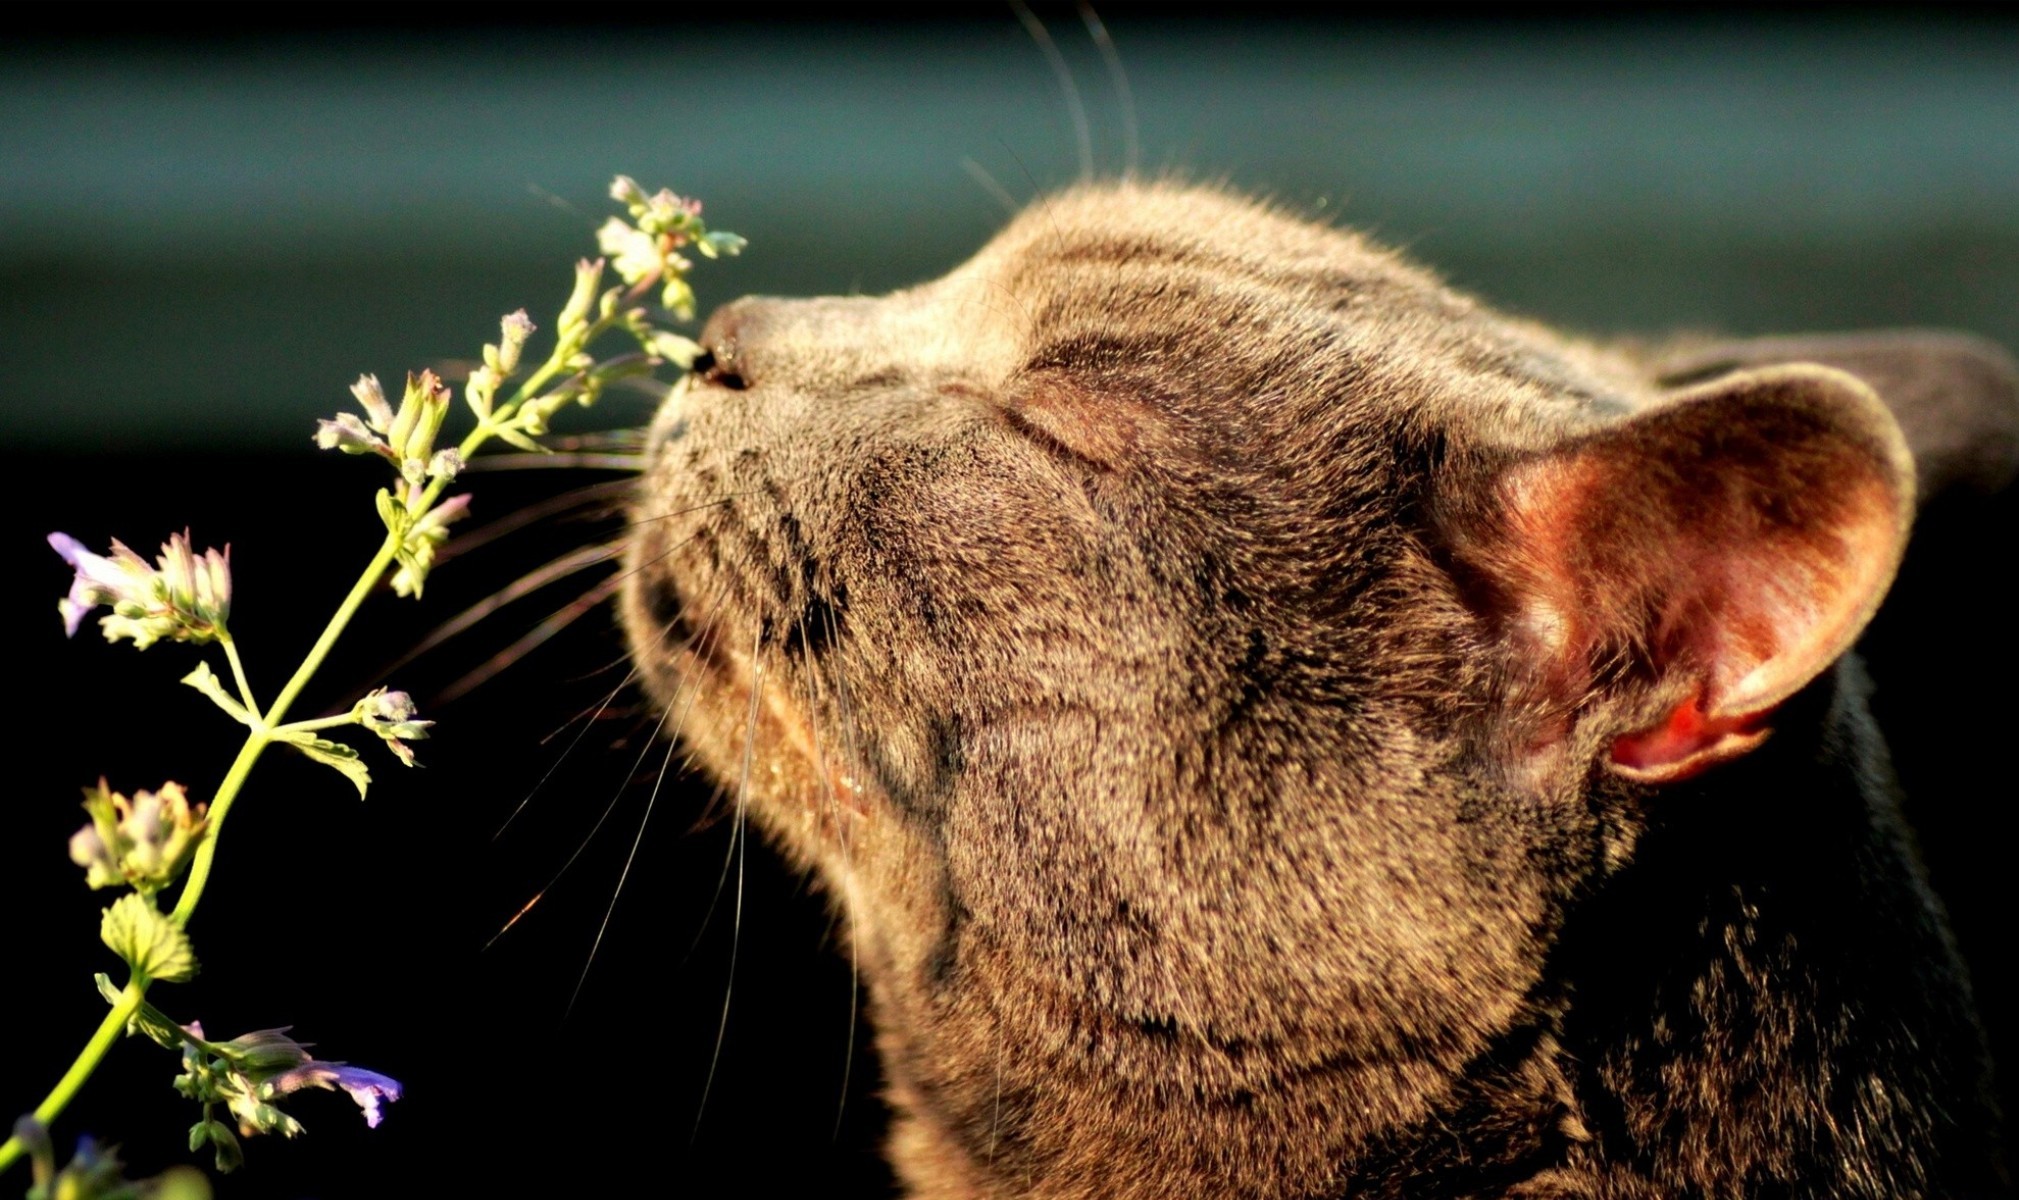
(794, 343)
(723, 346)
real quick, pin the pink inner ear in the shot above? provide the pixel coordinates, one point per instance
(1736, 541)
(1684, 743)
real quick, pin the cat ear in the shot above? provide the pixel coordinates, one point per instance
(1728, 545)
(1955, 396)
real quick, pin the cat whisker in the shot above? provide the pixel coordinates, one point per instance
(560, 619)
(525, 585)
(739, 838)
(583, 498)
(717, 502)
(659, 727)
(811, 673)
(586, 719)
(585, 460)
(995, 1108)
(576, 855)
(630, 858)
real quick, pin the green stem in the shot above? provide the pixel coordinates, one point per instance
(87, 1061)
(237, 671)
(318, 723)
(256, 741)
(331, 632)
(269, 723)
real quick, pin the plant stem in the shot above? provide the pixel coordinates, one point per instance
(267, 723)
(256, 741)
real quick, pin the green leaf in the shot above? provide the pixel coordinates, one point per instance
(330, 754)
(513, 437)
(204, 680)
(146, 1019)
(154, 946)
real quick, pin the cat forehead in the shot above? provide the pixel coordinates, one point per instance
(1205, 281)
(1176, 222)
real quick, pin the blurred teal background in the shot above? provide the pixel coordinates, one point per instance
(204, 241)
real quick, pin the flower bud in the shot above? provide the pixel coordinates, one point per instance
(588, 278)
(517, 328)
(348, 434)
(373, 399)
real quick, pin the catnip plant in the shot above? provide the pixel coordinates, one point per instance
(147, 843)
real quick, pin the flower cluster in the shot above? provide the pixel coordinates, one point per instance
(406, 438)
(185, 597)
(142, 843)
(249, 1074)
(646, 250)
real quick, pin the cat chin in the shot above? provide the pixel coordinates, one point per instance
(760, 750)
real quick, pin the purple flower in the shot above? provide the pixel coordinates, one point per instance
(100, 580)
(367, 1088)
(185, 597)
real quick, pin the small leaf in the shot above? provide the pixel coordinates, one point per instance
(204, 680)
(230, 1155)
(716, 243)
(154, 946)
(330, 754)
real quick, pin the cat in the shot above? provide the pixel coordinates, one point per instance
(1278, 728)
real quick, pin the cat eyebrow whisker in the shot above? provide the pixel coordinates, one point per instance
(1132, 149)
(1082, 132)
(996, 190)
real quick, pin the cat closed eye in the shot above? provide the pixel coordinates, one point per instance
(1099, 428)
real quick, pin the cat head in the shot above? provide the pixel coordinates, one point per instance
(1198, 649)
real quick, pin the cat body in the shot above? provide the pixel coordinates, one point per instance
(1278, 728)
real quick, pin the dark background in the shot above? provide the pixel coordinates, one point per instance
(207, 233)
